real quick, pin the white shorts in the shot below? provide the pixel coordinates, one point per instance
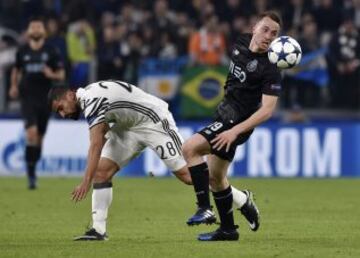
(162, 137)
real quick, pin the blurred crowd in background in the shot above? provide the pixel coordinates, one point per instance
(101, 39)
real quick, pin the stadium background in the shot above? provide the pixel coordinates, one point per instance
(178, 50)
(315, 132)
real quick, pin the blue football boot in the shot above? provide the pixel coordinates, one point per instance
(220, 235)
(202, 216)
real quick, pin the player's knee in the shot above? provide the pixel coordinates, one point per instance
(32, 135)
(102, 176)
(188, 151)
(105, 170)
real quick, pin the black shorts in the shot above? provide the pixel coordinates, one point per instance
(36, 113)
(217, 127)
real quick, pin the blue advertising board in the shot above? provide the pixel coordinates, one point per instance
(319, 149)
(315, 149)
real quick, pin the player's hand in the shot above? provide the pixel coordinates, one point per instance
(48, 72)
(79, 193)
(225, 139)
(13, 92)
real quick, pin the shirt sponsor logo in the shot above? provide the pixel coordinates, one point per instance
(237, 72)
(252, 65)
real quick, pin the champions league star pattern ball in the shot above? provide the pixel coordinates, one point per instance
(285, 52)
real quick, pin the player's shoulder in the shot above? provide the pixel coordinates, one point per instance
(270, 68)
(89, 90)
(241, 45)
(243, 40)
(88, 95)
(97, 89)
(25, 48)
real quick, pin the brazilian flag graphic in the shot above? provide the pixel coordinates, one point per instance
(202, 89)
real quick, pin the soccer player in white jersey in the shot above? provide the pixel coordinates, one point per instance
(123, 121)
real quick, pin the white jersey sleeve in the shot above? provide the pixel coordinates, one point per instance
(120, 103)
(94, 105)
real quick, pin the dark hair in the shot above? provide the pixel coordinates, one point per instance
(56, 93)
(273, 15)
(36, 19)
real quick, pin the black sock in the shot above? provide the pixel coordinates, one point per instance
(32, 155)
(30, 170)
(200, 178)
(102, 185)
(224, 203)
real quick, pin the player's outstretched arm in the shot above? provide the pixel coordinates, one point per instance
(268, 106)
(97, 141)
(261, 115)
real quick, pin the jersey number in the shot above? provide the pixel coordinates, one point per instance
(161, 150)
(215, 126)
(125, 85)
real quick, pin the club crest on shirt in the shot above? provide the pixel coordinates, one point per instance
(236, 52)
(252, 65)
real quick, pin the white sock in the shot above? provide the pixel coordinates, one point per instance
(239, 198)
(101, 200)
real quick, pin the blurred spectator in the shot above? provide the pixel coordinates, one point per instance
(29, 9)
(261, 6)
(356, 12)
(207, 46)
(76, 10)
(53, 7)
(231, 9)
(239, 26)
(184, 29)
(309, 40)
(198, 9)
(344, 64)
(129, 17)
(128, 31)
(110, 63)
(56, 37)
(167, 47)
(353, 9)
(150, 46)
(133, 58)
(9, 11)
(305, 93)
(107, 19)
(293, 13)
(328, 16)
(162, 22)
(105, 6)
(80, 40)
(7, 59)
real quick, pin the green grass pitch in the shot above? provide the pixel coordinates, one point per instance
(300, 218)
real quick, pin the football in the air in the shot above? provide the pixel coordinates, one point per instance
(285, 52)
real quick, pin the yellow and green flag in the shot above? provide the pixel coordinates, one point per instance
(202, 89)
